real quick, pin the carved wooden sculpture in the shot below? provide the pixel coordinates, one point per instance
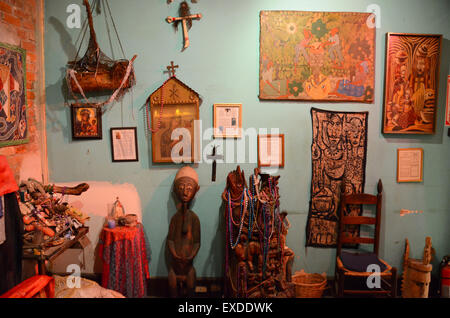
(258, 263)
(417, 272)
(183, 240)
(186, 20)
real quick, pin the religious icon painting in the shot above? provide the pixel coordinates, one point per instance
(317, 56)
(13, 97)
(411, 83)
(173, 110)
(86, 122)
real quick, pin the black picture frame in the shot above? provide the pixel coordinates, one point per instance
(93, 130)
(113, 133)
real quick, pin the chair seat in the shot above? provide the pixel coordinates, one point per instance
(357, 263)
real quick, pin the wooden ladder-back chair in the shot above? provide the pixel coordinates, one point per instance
(355, 265)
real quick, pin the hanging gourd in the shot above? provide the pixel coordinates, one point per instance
(96, 72)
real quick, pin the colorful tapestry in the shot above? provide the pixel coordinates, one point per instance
(327, 56)
(13, 120)
(338, 153)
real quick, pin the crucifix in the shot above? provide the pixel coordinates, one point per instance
(214, 156)
(186, 20)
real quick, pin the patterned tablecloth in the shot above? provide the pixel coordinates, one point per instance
(125, 263)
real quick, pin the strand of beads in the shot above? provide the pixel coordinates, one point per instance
(230, 211)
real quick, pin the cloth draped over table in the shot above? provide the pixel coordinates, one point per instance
(11, 230)
(338, 153)
(125, 263)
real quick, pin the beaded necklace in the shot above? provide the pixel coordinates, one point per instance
(230, 221)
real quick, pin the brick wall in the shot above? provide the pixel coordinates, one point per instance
(20, 26)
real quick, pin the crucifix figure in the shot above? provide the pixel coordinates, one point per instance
(186, 19)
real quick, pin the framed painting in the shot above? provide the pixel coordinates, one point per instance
(409, 165)
(317, 56)
(13, 96)
(86, 122)
(173, 109)
(227, 120)
(271, 150)
(124, 145)
(174, 141)
(411, 83)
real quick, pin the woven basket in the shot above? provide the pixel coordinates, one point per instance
(309, 285)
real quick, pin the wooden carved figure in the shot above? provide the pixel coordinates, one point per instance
(257, 261)
(183, 240)
(186, 20)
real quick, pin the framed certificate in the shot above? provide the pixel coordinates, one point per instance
(271, 150)
(124, 144)
(409, 165)
(227, 120)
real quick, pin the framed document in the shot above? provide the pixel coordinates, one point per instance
(409, 165)
(124, 144)
(227, 120)
(271, 150)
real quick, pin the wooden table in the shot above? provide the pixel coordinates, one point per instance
(51, 253)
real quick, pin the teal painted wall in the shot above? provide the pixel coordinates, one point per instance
(222, 64)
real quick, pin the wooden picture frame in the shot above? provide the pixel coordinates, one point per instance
(173, 105)
(263, 158)
(86, 122)
(124, 146)
(411, 83)
(409, 165)
(227, 120)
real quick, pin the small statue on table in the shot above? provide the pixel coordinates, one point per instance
(183, 240)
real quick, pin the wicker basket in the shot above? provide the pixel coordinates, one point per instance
(309, 285)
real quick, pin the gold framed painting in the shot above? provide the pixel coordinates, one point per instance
(409, 165)
(174, 141)
(271, 150)
(411, 83)
(227, 120)
(317, 56)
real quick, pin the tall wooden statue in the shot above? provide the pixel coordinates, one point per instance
(183, 240)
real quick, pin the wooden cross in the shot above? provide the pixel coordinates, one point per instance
(171, 69)
(183, 20)
(214, 156)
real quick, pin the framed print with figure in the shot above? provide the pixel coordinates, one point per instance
(411, 83)
(86, 122)
(227, 120)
